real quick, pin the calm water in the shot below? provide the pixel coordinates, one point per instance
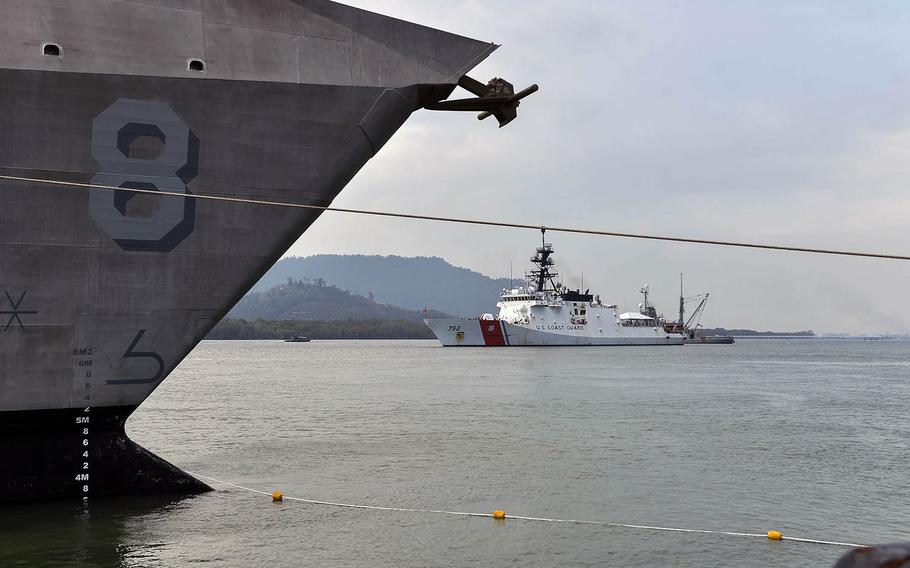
(810, 438)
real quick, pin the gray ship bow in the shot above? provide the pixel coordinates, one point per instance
(104, 292)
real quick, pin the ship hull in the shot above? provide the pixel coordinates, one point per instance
(465, 332)
(90, 318)
(78, 453)
(104, 292)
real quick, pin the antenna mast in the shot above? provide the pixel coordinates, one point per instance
(682, 302)
(542, 274)
(647, 309)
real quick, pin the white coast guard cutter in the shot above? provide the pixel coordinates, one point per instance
(543, 312)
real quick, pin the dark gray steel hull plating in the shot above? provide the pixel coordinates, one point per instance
(103, 293)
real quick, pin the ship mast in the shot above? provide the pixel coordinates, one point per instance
(646, 308)
(682, 302)
(542, 274)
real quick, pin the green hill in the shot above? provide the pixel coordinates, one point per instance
(309, 301)
(412, 283)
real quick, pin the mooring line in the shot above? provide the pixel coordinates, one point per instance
(413, 216)
(501, 515)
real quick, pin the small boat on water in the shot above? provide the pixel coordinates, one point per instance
(685, 326)
(297, 339)
(543, 312)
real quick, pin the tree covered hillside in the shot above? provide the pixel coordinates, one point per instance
(305, 300)
(413, 283)
(338, 329)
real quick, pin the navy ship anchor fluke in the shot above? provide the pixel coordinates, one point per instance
(107, 291)
(497, 98)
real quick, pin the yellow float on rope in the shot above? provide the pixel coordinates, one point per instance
(277, 497)
(775, 535)
(497, 514)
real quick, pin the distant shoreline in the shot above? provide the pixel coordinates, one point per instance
(237, 329)
(741, 332)
(240, 329)
(825, 337)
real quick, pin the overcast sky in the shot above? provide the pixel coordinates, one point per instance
(783, 123)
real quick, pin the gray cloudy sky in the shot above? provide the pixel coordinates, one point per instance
(785, 123)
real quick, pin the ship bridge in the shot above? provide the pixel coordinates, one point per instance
(635, 319)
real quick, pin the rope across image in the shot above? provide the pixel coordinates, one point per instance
(501, 515)
(571, 230)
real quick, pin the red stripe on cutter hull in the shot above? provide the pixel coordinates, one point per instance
(492, 333)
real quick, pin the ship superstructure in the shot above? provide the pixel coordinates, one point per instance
(114, 114)
(544, 312)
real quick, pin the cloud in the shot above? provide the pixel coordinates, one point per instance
(768, 122)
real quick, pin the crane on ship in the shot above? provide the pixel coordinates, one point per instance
(682, 325)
